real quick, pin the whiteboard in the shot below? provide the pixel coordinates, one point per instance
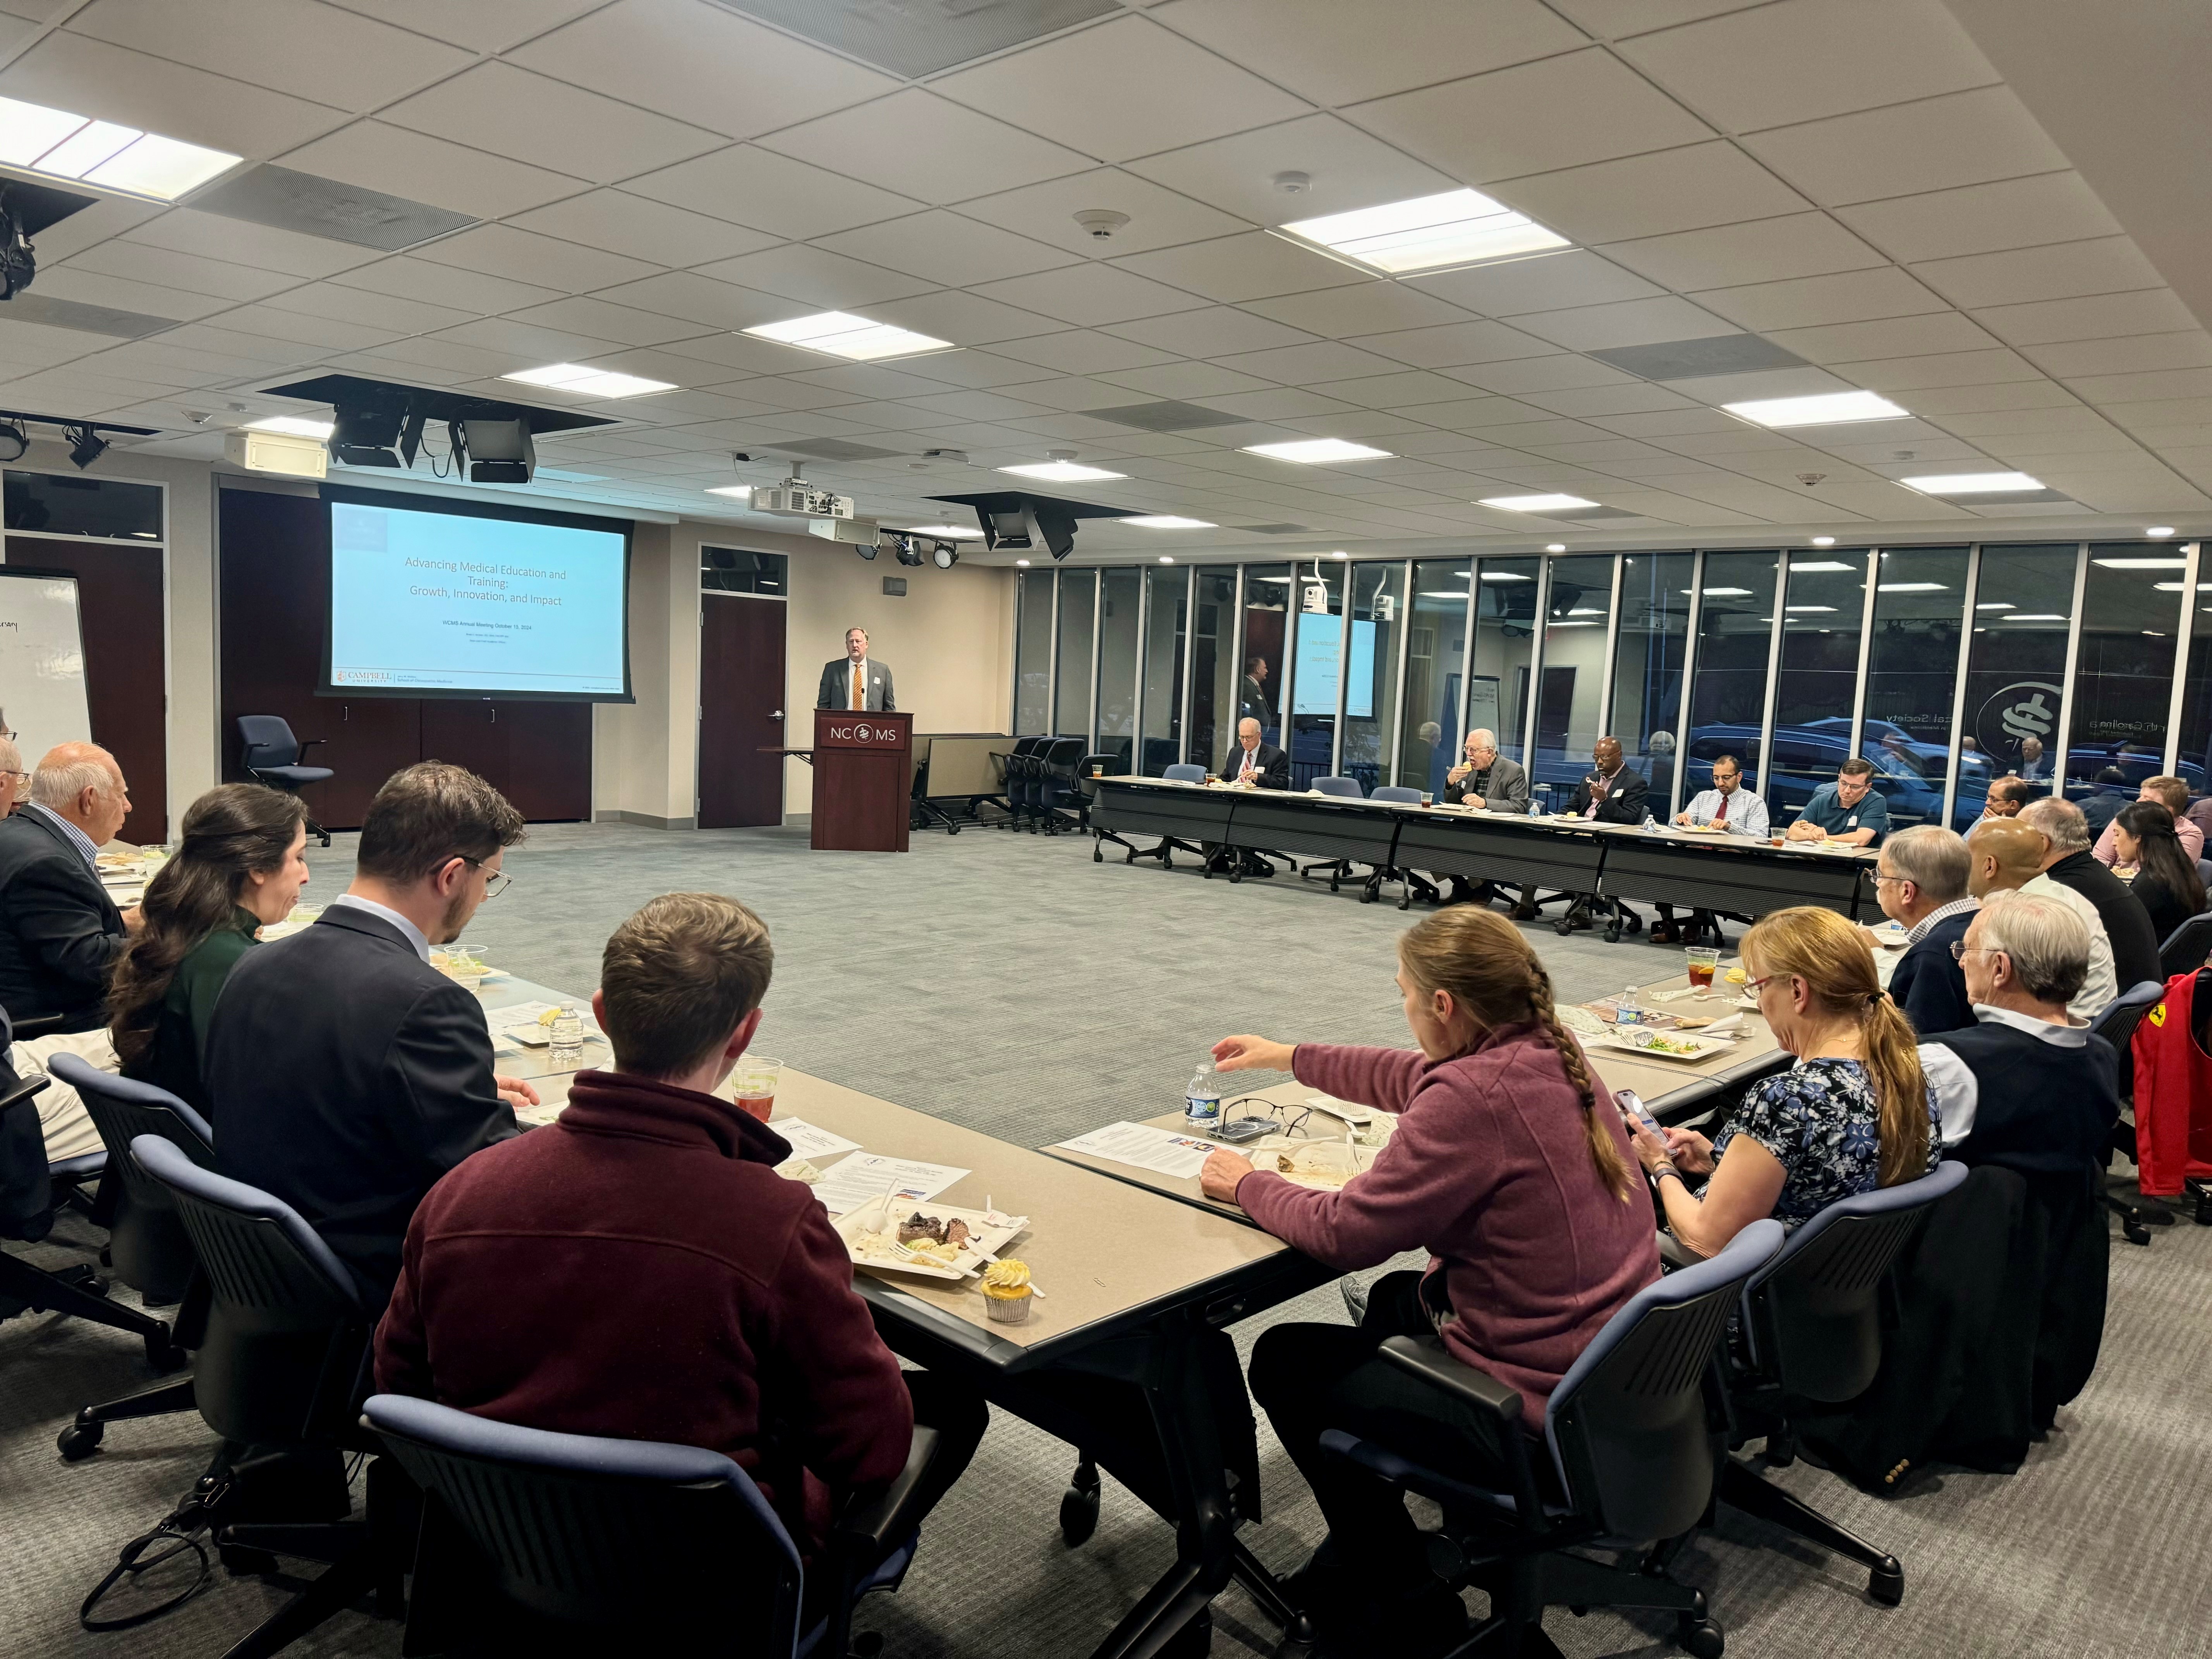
(42, 662)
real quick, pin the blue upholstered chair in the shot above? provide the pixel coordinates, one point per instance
(1410, 882)
(271, 755)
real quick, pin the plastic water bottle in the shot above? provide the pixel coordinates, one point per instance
(1201, 1106)
(1628, 1011)
(1541, 806)
(1651, 823)
(567, 1052)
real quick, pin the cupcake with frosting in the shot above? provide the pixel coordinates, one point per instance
(1006, 1292)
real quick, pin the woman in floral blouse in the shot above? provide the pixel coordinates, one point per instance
(1854, 1113)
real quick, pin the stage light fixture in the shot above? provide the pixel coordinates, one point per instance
(866, 549)
(499, 451)
(18, 262)
(367, 435)
(909, 552)
(946, 555)
(86, 445)
(14, 440)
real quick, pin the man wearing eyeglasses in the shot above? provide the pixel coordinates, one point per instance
(15, 780)
(344, 1073)
(1921, 884)
(1487, 781)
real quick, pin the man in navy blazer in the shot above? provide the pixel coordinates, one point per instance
(345, 1074)
(59, 932)
(1921, 881)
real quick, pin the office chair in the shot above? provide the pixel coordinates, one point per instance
(2187, 946)
(640, 1543)
(28, 1184)
(1630, 1432)
(282, 1365)
(2117, 1025)
(922, 811)
(147, 1244)
(1812, 1330)
(1410, 882)
(1344, 789)
(1059, 772)
(271, 756)
(1180, 772)
(1103, 763)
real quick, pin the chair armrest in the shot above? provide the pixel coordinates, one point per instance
(1425, 1357)
(310, 743)
(37, 1025)
(883, 1519)
(23, 1091)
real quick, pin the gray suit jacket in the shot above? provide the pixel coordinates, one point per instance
(1508, 791)
(836, 691)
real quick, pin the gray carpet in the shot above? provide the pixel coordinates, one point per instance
(1009, 984)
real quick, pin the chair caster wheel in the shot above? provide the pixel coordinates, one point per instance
(1405, 900)
(240, 1561)
(1097, 856)
(1701, 1638)
(1563, 926)
(79, 1440)
(164, 1355)
(951, 829)
(2134, 1233)
(1333, 884)
(1781, 1450)
(1235, 876)
(1522, 913)
(1079, 1507)
(1886, 1583)
(1612, 933)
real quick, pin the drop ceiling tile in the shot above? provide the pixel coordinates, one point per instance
(1124, 88)
(2074, 418)
(1546, 282)
(1665, 423)
(946, 247)
(1282, 404)
(1405, 389)
(1090, 295)
(280, 326)
(1216, 331)
(1757, 250)
(509, 111)
(383, 311)
(964, 319)
(602, 319)
(523, 345)
(1253, 266)
(525, 256)
(1716, 389)
(701, 299)
(815, 276)
(90, 288)
(1560, 372)
(1187, 379)
(400, 162)
(2071, 360)
(335, 57)
(1936, 402)
(1991, 366)
(652, 231)
(411, 278)
(928, 147)
(1803, 59)
(1564, 111)
(1158, 217)
(1856, 296)
(2151, 311)
(701, 63)
(261, 249)
(1939, 143)
(2013, 213)
(1082, 351)
(1895, 337)
(1645, 196)
(1587, 402)
(1310, 365)
(1454, 343)
(90, 227)
(1345, 169)
(74, 72)
(167, 268)
(1626, 322)
(481, 26)
(2110, 265)
(748, 185)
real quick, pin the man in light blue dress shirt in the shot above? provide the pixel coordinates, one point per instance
(1727, 805)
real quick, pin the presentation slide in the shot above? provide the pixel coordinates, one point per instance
(1316, 677)
(427, 602)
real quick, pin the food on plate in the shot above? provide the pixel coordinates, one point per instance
(1661, 1043)
(1007, 1292)
(798, 1169)
(956, 1233)
(919, 1228)
(1736, 976)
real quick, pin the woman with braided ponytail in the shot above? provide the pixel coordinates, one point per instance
(1509, 1166)
(241, 862)
(1854, 1113)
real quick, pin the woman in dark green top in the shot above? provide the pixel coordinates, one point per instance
(241, 864)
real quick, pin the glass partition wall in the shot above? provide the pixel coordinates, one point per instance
(1946, 667)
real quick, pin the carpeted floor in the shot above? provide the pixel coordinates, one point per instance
(1009, 984)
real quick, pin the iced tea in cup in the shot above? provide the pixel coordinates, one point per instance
(1702, 959)
(753, 1084)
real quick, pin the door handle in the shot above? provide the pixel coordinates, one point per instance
(777, 716)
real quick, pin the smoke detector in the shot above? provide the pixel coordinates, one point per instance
(1293, 184)
(1808, 479)
(1100, 223)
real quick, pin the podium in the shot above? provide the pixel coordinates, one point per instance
(862, 772)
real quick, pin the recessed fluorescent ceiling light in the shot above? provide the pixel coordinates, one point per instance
(1061, 472)
(1505, 576)
(2159, 530)
(1318, 452)
(1722, 593)
(1911, 587)
(1824, 541)
(1574, 624)
(589, 382)
(2143, 564)
(1972, 484)
(842, 335)
(1993, 604)
(60, 145)
(1585, 612)
(1535, 503)
(1802, 567)
(1459, 227)
(1828, 409)
(1167, 521)
(963, 533)
(293, 426)
(742, 492)
(2039, 616)
(2176, 587)
(1824, 609)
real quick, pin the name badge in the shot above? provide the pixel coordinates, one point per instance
(1852, 822)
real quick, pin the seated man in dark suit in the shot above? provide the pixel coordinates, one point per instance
(344, 1073)
(59, 932)
(2071, 862)
(1612, 792)
(1921, 882)
(1256, 765)
(640, 1271)
(2028, 1085)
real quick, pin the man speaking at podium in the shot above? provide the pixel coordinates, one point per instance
(853, 682)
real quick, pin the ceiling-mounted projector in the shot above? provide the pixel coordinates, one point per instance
(795, 498)
(857, 532)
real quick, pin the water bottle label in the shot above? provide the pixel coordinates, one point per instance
(1202, 1108)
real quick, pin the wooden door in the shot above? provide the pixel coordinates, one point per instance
(367, 740)
(549, 758)
(741, 711)
(121, 611)
(468, 732)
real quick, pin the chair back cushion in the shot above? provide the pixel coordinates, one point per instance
(1185, 772)
(2186, 948)
(1627, 1424)
(637, 1534)
(2117, 1023)
(268, 740)
(1397, 792)
(1348, 787)
(147, 1241)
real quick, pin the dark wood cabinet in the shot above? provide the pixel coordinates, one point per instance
(274, 597)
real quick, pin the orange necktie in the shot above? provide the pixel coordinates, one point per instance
(859, 693)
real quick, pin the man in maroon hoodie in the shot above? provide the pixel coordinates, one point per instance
(638, 1270)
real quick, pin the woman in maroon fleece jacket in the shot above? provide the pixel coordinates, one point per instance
(1510, 1165)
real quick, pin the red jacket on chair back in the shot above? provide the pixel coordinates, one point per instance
(2174, 1093)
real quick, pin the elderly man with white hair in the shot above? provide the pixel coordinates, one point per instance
(59, 932)
(15, 780)
(2029, 1086)
(2069, 861)
(1488, 783)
